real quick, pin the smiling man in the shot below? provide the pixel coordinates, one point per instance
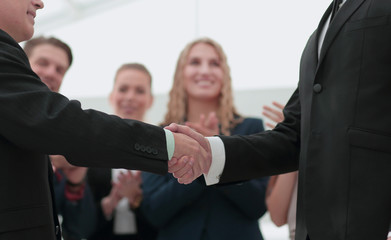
(50, 59)
(35, 122)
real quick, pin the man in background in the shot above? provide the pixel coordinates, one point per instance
(50, 59)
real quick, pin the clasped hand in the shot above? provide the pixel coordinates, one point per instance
(192, 155)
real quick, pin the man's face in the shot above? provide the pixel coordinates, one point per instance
(17, 17)
(50, 63)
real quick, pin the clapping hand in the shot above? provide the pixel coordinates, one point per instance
(207, 126)
(274, 114)
(110, 202)
(73, 174)
(129, 186)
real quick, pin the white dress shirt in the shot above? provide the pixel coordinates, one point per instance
(124, 218)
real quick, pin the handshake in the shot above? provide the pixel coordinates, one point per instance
(192, 156)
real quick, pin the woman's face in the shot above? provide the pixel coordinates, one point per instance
(131, 96)
(203, 75)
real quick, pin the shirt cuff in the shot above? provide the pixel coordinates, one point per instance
(389, 234)
(170, 141)
(218, 161)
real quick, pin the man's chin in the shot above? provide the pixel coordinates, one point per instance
(27, 36)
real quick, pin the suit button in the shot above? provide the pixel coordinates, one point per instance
(142, 148)
(137, 146)
(149, 150)
(317, 88)
(154, 151)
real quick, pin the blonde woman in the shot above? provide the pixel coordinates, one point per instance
(201, 97)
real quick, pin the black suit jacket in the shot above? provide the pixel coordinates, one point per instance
(337, 130)
(34, 122)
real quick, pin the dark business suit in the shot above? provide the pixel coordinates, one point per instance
(198, 212)
(34, 122)
(336, 131)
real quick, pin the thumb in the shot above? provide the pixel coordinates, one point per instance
(173, 127)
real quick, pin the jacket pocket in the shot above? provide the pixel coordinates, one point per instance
(369, 139)
(367, 23)
(368, 190)
(23, 218)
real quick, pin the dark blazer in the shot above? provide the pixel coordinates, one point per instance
(99, 180)
(197, 212)
(337, 130)
(34, 122)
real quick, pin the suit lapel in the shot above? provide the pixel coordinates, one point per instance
(335, 26)
(309, 61)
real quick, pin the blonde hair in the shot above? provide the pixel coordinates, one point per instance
(177, 107)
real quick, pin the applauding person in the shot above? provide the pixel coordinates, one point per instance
(201, 97)
(117, 192)
(335, 130)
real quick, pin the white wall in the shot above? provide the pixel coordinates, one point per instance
(263, 40)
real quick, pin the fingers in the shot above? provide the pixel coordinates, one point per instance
(175, 166)
(270, 125)
(272, 117)
(196, 126)
(206, 160)
(212, 122)
(196, 136)
(179, 174)
(278, 105)
(275, 115)
(172, 127)
(206, 126)
(202, 120)
(59, 162)
(172, 162)
(187, 178)
(181, 167)
(192, 155)
(137, 176)
(122, 177)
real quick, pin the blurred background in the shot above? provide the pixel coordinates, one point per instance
(262, 39)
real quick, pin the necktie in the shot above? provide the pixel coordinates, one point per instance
(336, 4)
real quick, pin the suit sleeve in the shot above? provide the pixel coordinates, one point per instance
(36, 119)
(249, 196)
(267, 153)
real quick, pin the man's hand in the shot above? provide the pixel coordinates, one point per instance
(75, 175)
(192, 156)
